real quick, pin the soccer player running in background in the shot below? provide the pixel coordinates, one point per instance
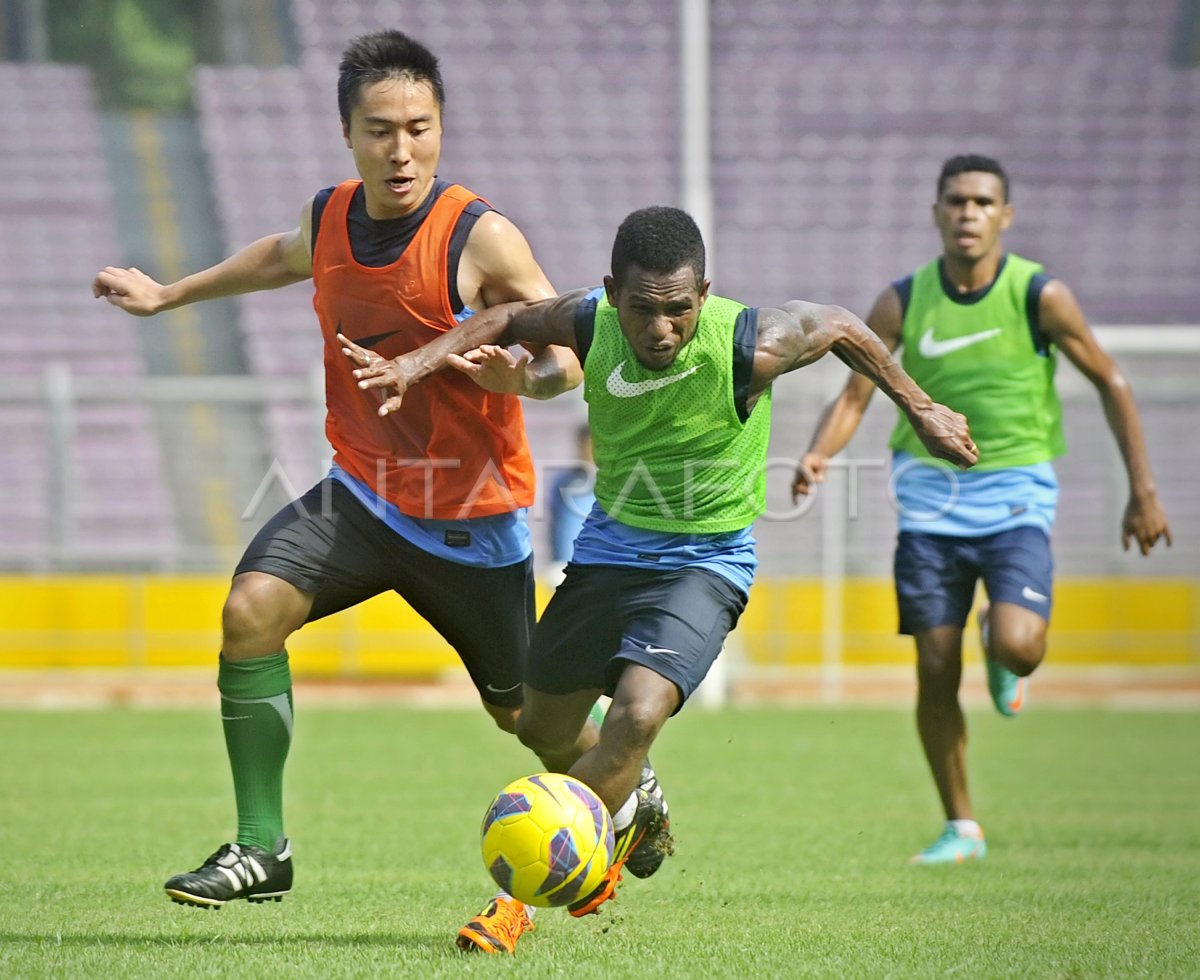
(571, 499)
(980, 328)
(430, 502)
(678, 388)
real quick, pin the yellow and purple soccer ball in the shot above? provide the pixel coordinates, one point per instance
(547, 839)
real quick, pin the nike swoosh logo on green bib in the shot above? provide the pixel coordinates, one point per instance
(618, 387)
(931, 347)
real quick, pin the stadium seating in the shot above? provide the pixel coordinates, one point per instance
(823, 188)
(828, 125)
(59, 227)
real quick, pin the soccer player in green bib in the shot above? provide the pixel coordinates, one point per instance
(678, 388)
(979, 329)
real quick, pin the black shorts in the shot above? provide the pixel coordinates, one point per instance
(329, 544)
(936, 575)
(604, 617)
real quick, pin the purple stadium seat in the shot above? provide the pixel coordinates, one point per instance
(1074, 97)
(59, 227)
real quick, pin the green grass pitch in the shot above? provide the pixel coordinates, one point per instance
(793, 830)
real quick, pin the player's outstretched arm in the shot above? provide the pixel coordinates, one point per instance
(801, 333)
(840, 419)
(541, 323)
(271, 262)
(499, 261)
(1063, 322)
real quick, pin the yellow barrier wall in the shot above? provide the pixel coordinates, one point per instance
(174, 621)
(1097, 622)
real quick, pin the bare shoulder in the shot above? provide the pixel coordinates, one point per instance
(494, 233)
(1059, 313)
(498, 266)
(1057, 298)
(296, 245)
(801, 317)
(306, 223)
(1056, 292)
(794, 334)
(886, 317)
(792, 315)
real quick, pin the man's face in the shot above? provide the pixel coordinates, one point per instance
(970, 214)
(658, 312)
(395, 133)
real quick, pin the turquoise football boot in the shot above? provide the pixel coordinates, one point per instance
(953, 847)
(1005, 687)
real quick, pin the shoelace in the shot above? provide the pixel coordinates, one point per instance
(950, 834)
(507, 920)
(226, 851)
(246, 869)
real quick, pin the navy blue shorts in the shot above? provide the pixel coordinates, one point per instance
(936, 575)
(605, 617)
(329, 544)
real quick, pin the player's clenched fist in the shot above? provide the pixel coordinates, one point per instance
(130, 289)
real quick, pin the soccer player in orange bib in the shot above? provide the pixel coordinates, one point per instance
(430, 502)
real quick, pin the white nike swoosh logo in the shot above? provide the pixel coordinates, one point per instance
(502, 690)
(1032, 596)
(618, 387)
(931, 347)
(653, 649)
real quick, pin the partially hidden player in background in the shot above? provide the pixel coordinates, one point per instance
(678, 388)
(979, 329)
(571, 498)
(430, 502)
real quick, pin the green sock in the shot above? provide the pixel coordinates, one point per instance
(256, 712)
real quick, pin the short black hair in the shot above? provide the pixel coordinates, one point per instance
(971, 163)
(371, 58)
(658, 239)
